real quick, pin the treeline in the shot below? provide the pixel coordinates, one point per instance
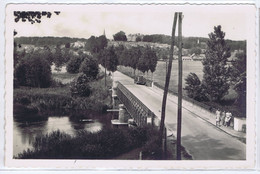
(142, 58)
(189, 42)
(41, 41)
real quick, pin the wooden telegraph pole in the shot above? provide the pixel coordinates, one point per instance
(167, 80)
(178, 144)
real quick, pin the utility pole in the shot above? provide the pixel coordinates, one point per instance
(178, 144)
(167, 80)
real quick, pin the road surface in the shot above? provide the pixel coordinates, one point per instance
(202, 140)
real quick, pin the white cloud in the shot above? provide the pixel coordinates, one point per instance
(84, 21)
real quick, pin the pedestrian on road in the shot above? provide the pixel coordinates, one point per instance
(223, 116)
(218, 117)
(228, 118)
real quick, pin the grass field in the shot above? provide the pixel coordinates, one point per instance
(160, 73)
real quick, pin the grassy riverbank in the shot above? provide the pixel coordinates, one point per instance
(105, 144)
(32, 104)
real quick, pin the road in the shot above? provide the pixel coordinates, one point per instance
(202, 140)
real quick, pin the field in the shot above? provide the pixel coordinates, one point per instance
(188, 67)
(160, 73)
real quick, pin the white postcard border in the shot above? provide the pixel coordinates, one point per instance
(129, 164)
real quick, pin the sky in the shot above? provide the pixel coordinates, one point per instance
(85, 21)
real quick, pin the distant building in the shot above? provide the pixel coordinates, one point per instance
(189, 58)
(198, 57)
(132, 37)
(78, 44)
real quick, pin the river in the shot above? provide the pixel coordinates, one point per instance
(24, 132)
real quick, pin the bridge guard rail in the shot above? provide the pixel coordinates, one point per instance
(141, 114)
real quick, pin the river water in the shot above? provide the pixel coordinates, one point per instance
(24, 132)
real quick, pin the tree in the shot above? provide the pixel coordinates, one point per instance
(238, 79)
(96, 44)
(74, 63)
(194, 87)
(49, 54)
(216, 71)
(101, 42)
(120, 36)
(89, 67)
(195, 50)
(112, 60)
(67, 45)
(34, 71)
(119, 50)
(80, 86)
(138, 39)
(151, 59)
(135, 54)
(142, 64)
(58, 58)
(32, 16)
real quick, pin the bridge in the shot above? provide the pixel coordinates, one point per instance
(202, 140)
(141, 114)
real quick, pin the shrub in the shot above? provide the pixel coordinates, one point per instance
(34, 71)
(105, 144)
(194, 87)
(80, 86)
(120, 36)
(89, 67)
(74, 64)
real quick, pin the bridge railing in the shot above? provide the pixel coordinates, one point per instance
(140, 112)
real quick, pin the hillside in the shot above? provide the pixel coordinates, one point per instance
(41, 41)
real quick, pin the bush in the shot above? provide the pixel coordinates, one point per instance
(90, 68)
(34, 71)
(105, 144)
(74, 64)
(58, 100)
(120, 36)
(80, 86)
(194, 87)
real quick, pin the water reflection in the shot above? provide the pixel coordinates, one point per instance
(24, 132)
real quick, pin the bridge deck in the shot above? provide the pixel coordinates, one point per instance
(202, 140)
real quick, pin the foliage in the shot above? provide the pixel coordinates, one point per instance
(58, 58)
(34, 71)
(80, 86)
(48, 54)
(47, 40)
(151, 58)
(74, 63)
(138, 39)
(148, 60)
(105, 144)
(67, 45)
(238, 79)
(108, 59)
(216, 71)
(120, 36)
(142, 64)
(89, 67)
(58, 100)
(195, 50)
(18, 55)
(96, 44)
(194, 88)
(32, 16)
